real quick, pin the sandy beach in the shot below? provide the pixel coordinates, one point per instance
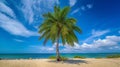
(69, 63)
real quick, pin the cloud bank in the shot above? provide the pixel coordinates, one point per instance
(72, 2)
(100, 45)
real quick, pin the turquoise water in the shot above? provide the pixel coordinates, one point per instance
(47, 55)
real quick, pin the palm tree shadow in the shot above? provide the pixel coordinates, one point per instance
(70, 61)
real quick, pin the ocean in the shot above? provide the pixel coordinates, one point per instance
(47, 55)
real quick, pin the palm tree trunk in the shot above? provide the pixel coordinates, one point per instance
(57, 51)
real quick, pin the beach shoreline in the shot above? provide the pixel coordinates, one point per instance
(88, 62)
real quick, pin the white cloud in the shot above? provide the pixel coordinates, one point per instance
(18, 40)
(72, 2)
(99, 33)
(86, 7)
(27, 10)
(6, 9)
(47, 49)
(43, 49)
(110, 42)
(12, 25)
(95, 34)
(15, 27)
(89, 6)
(32, 8)
(75, 11)
(83, 8)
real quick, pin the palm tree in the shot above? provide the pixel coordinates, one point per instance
(58, 26)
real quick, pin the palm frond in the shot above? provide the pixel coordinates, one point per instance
(64, 12)
(57, 25)
(77, 29)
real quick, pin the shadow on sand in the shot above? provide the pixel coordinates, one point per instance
(70, 61)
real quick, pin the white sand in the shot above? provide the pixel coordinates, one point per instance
(70, 63)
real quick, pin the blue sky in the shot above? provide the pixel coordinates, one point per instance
(98, 19)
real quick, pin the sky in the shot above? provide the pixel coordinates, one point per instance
(98, 19)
